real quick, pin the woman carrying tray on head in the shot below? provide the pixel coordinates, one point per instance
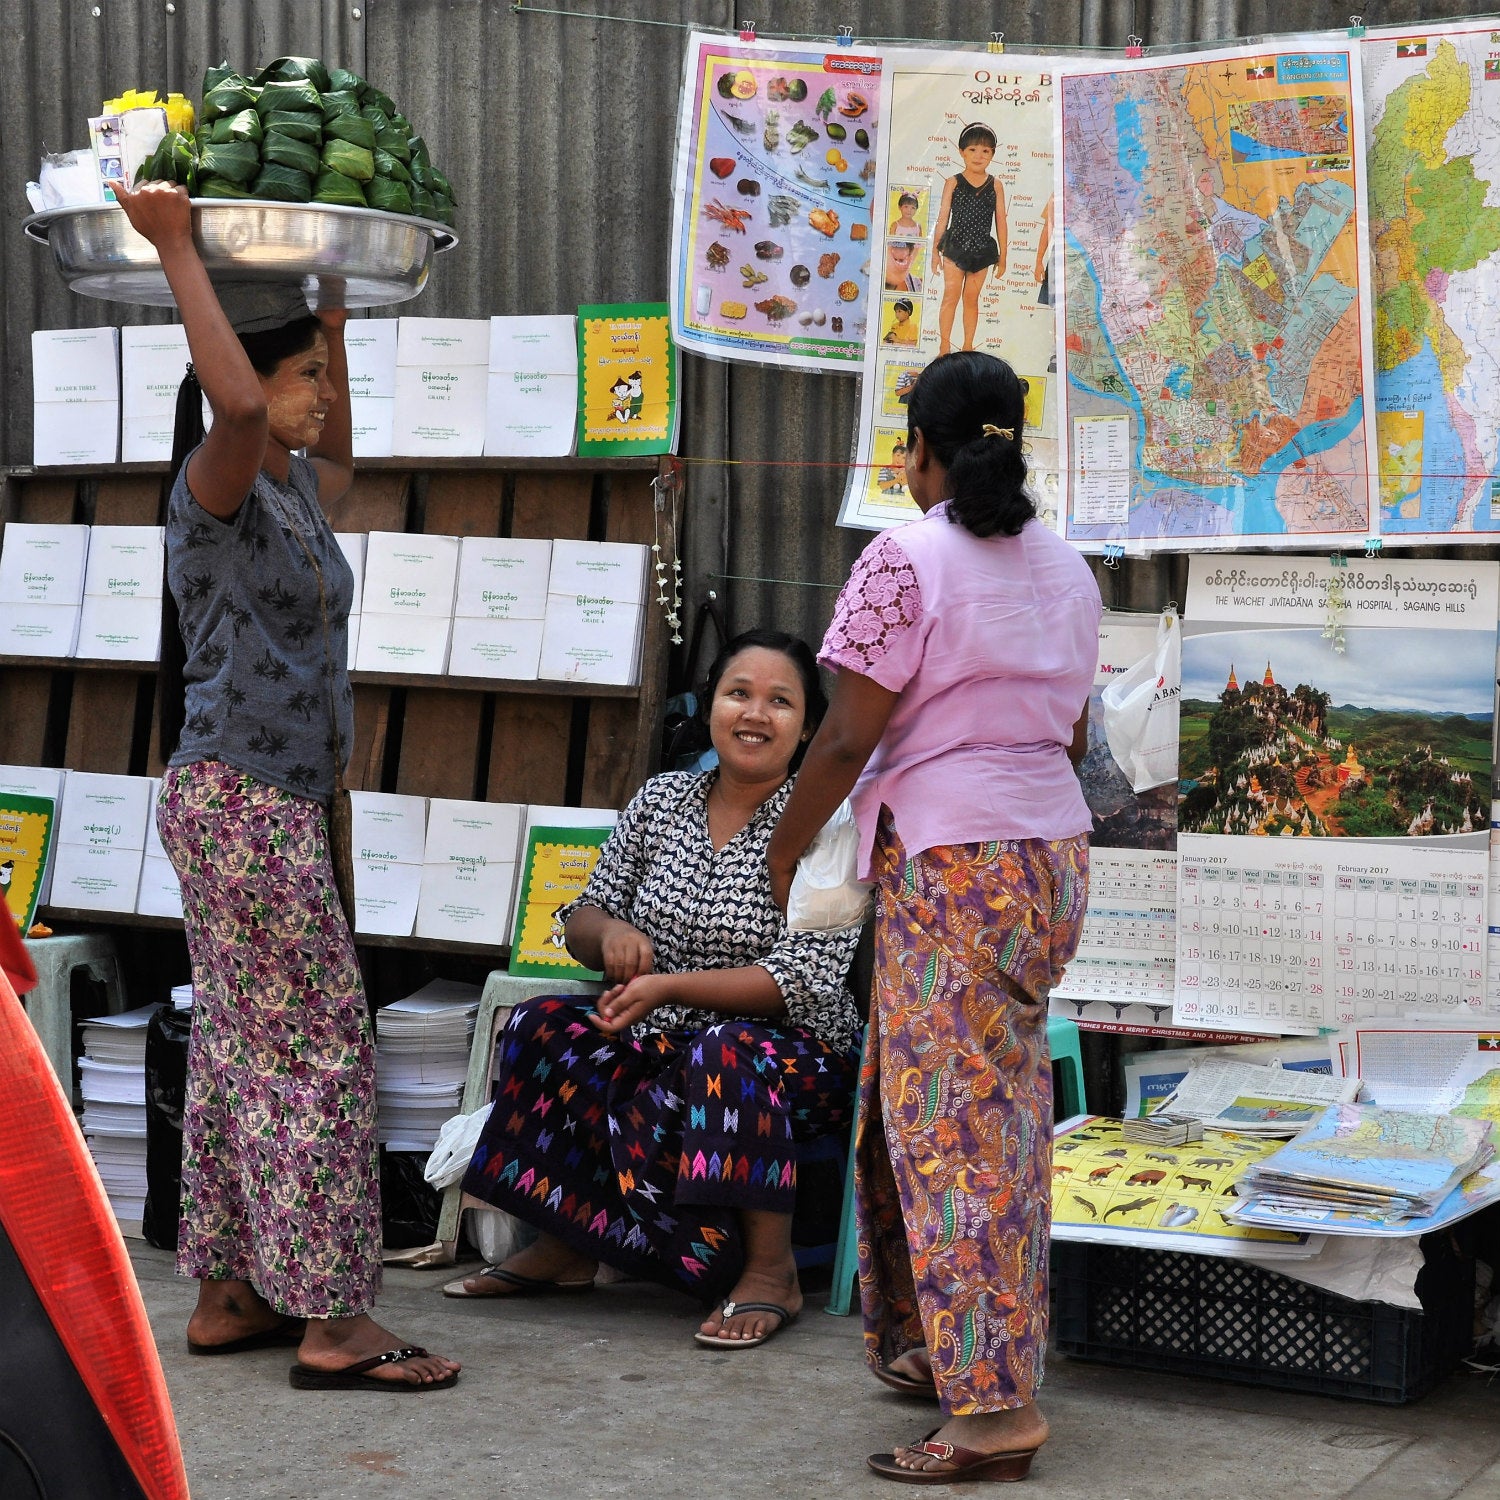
(280, 1192)
(655, 1131)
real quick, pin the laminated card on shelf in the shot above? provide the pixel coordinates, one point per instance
(153, 361)
(26, 829)
(38, 629)
(373, 424)
(611, 572)
(398, 643)
(496, 648)
(38, 781)
(370, 344)
(43, 564)
(469, 871)
(389, 839)
(503, 578)
(107, 812)
(532, 406)
(119, 629)
(584, 641)
(442, 383)
(76, 395)
(92, 877)
(410, 574)
(88, 433)
(124, 562)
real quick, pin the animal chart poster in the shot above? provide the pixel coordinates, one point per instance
(772, 204)
(1334, 794)
(556, 868)
(960, 256)
(1107, 1190)
(25, 839)
(1218, 341)
(628, 365)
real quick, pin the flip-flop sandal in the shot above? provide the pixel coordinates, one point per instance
(908, 1385)
(732, 1309)
(289, 1331)
(358, 1378)
(965, 1463)
(524, 1286)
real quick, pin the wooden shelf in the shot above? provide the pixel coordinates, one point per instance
(625, 463)
(358, 679)
(52, 915)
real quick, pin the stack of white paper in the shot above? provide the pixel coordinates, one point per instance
(390, 835)
(41, 588)
(370, 344)
(38, 781)
(121, 619)
(76, 395)
(501, 603)
(442, 377)
(152, 363)
(159, 893)
(182, 997)
(595, 610)
(101, 842)
(113, 1081)
(469, 870)
(352, 544)
(407, 610)
(533, 387)
(421, 1061)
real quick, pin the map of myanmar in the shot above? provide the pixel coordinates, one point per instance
(1217, 344)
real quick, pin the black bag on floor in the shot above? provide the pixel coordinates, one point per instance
(409, 1204)
(167, 1035)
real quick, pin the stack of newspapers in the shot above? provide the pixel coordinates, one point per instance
(1382, 1164)
(421, 1062)
(112, 1073)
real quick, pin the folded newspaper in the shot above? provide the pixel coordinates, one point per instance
(1385, 1165)
(1253, 1099)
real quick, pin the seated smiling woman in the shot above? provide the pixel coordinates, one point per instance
(655, 1131)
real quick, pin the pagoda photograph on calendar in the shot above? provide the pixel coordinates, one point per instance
(1283, 735)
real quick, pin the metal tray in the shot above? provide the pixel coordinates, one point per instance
(343, 257)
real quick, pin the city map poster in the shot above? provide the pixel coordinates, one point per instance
(1334, 793)
(773, 192)
(1432, 107)
(1217, 340)
(960, 256)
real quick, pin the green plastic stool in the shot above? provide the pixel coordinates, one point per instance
(1067, 1059)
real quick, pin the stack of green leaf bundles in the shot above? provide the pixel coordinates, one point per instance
(299, 132)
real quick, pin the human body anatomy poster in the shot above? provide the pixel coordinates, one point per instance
(774, 186)
(1334, 795)
(1217, 314)
(960, 255)
(1432, 101)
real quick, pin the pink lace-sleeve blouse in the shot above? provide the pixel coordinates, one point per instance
(991, 643)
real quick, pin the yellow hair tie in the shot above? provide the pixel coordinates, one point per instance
(990, 430)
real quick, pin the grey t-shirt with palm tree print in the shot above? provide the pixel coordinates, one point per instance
(257, 681)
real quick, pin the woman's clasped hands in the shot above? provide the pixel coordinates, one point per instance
(635, 990)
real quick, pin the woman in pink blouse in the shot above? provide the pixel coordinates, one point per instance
(965, 645)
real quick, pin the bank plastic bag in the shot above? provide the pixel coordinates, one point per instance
(827, 895)
(1140, 710)
(455, 1145)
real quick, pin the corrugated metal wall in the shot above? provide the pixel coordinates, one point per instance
(558, 133)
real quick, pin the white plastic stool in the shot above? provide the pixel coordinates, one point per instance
(49, 1006)
(502, 992)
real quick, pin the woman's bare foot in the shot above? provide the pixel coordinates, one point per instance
(228, 1311)
(545, 1259)
(336, 1343)
(1019, 1430)
(758, 1283)
(915, 1364)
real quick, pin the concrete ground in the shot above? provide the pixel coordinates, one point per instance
(607, 1395)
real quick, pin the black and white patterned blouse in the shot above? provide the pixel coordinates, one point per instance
(712, 909)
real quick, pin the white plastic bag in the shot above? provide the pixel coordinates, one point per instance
(1140, 710)
(455, 1145)
(827, 895)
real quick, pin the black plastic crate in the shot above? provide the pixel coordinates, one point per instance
(1205, 1315)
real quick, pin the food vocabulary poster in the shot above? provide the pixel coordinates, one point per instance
(774, 185)
(1217, 335)
(1432, 103)
(1334, 791)
(961, 255)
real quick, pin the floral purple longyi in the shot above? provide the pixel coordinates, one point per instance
(280, 1183)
